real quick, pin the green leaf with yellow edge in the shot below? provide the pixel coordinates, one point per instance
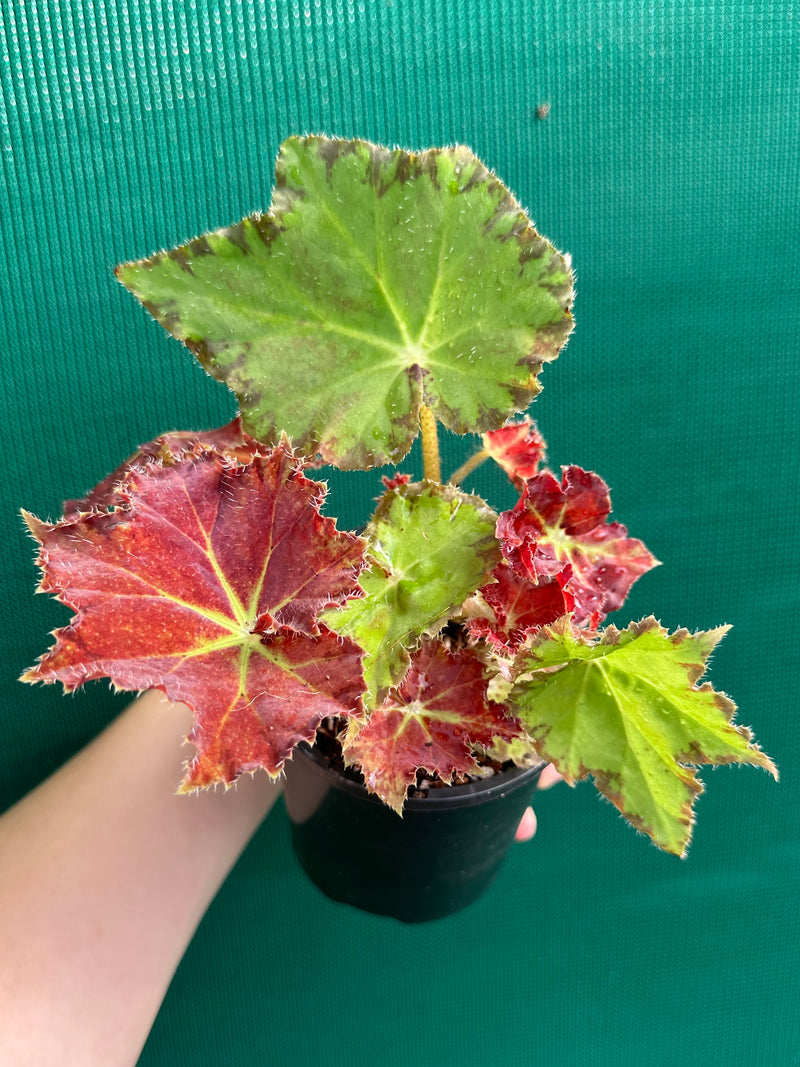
(627, 710)
(431, 547)
(379, 280)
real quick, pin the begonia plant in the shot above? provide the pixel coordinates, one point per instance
(384, 292)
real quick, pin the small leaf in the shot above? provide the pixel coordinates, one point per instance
(518, 448)
(431, 722)
(431, 547)
(627, 710)
(555, 526)
(173, 590)
(518, 750)
(385, 280)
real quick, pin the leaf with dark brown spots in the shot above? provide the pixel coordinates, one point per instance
(383, 279)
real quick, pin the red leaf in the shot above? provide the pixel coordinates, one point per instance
(296, 683)
(519, 608)
(206, 582)
(396, 482)
(431, 722)
(555, 526)
(166, 449)
(519, 449)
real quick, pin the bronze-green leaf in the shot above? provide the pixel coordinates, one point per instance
(379, 280)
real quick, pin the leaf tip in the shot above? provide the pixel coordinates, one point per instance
(759, 758)
(122, 272)
(36, 527)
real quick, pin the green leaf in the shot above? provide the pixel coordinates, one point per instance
(431, 548)
(627, 710)
(378, 281)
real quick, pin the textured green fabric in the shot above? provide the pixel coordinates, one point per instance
(668, 166)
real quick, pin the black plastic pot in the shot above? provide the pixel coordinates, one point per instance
(440, 856)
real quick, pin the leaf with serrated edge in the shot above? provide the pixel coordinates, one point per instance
(173, 591)
(513, 608)
(518, 750)
(430, 722)
(627, 710)
(385, 279)
(166, 449)
(560, 528)
(431, 547)
(518, 448)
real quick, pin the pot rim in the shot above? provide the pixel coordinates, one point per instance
(472, 793)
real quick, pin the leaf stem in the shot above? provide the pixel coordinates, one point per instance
(431, 466)
(467, 468)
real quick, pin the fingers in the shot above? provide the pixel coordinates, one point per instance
(527, 826)
(549, 777)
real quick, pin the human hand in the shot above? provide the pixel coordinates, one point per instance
(527, 825)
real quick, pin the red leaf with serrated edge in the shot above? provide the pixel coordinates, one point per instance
(166, 449)
(519, 608)
(430, 722)
(396, 482)
(205, 582)
(291, 687)
(554, 526)
(518, 447)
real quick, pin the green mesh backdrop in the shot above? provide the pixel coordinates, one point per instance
(668, 166)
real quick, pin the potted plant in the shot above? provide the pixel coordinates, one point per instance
(447, 651)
